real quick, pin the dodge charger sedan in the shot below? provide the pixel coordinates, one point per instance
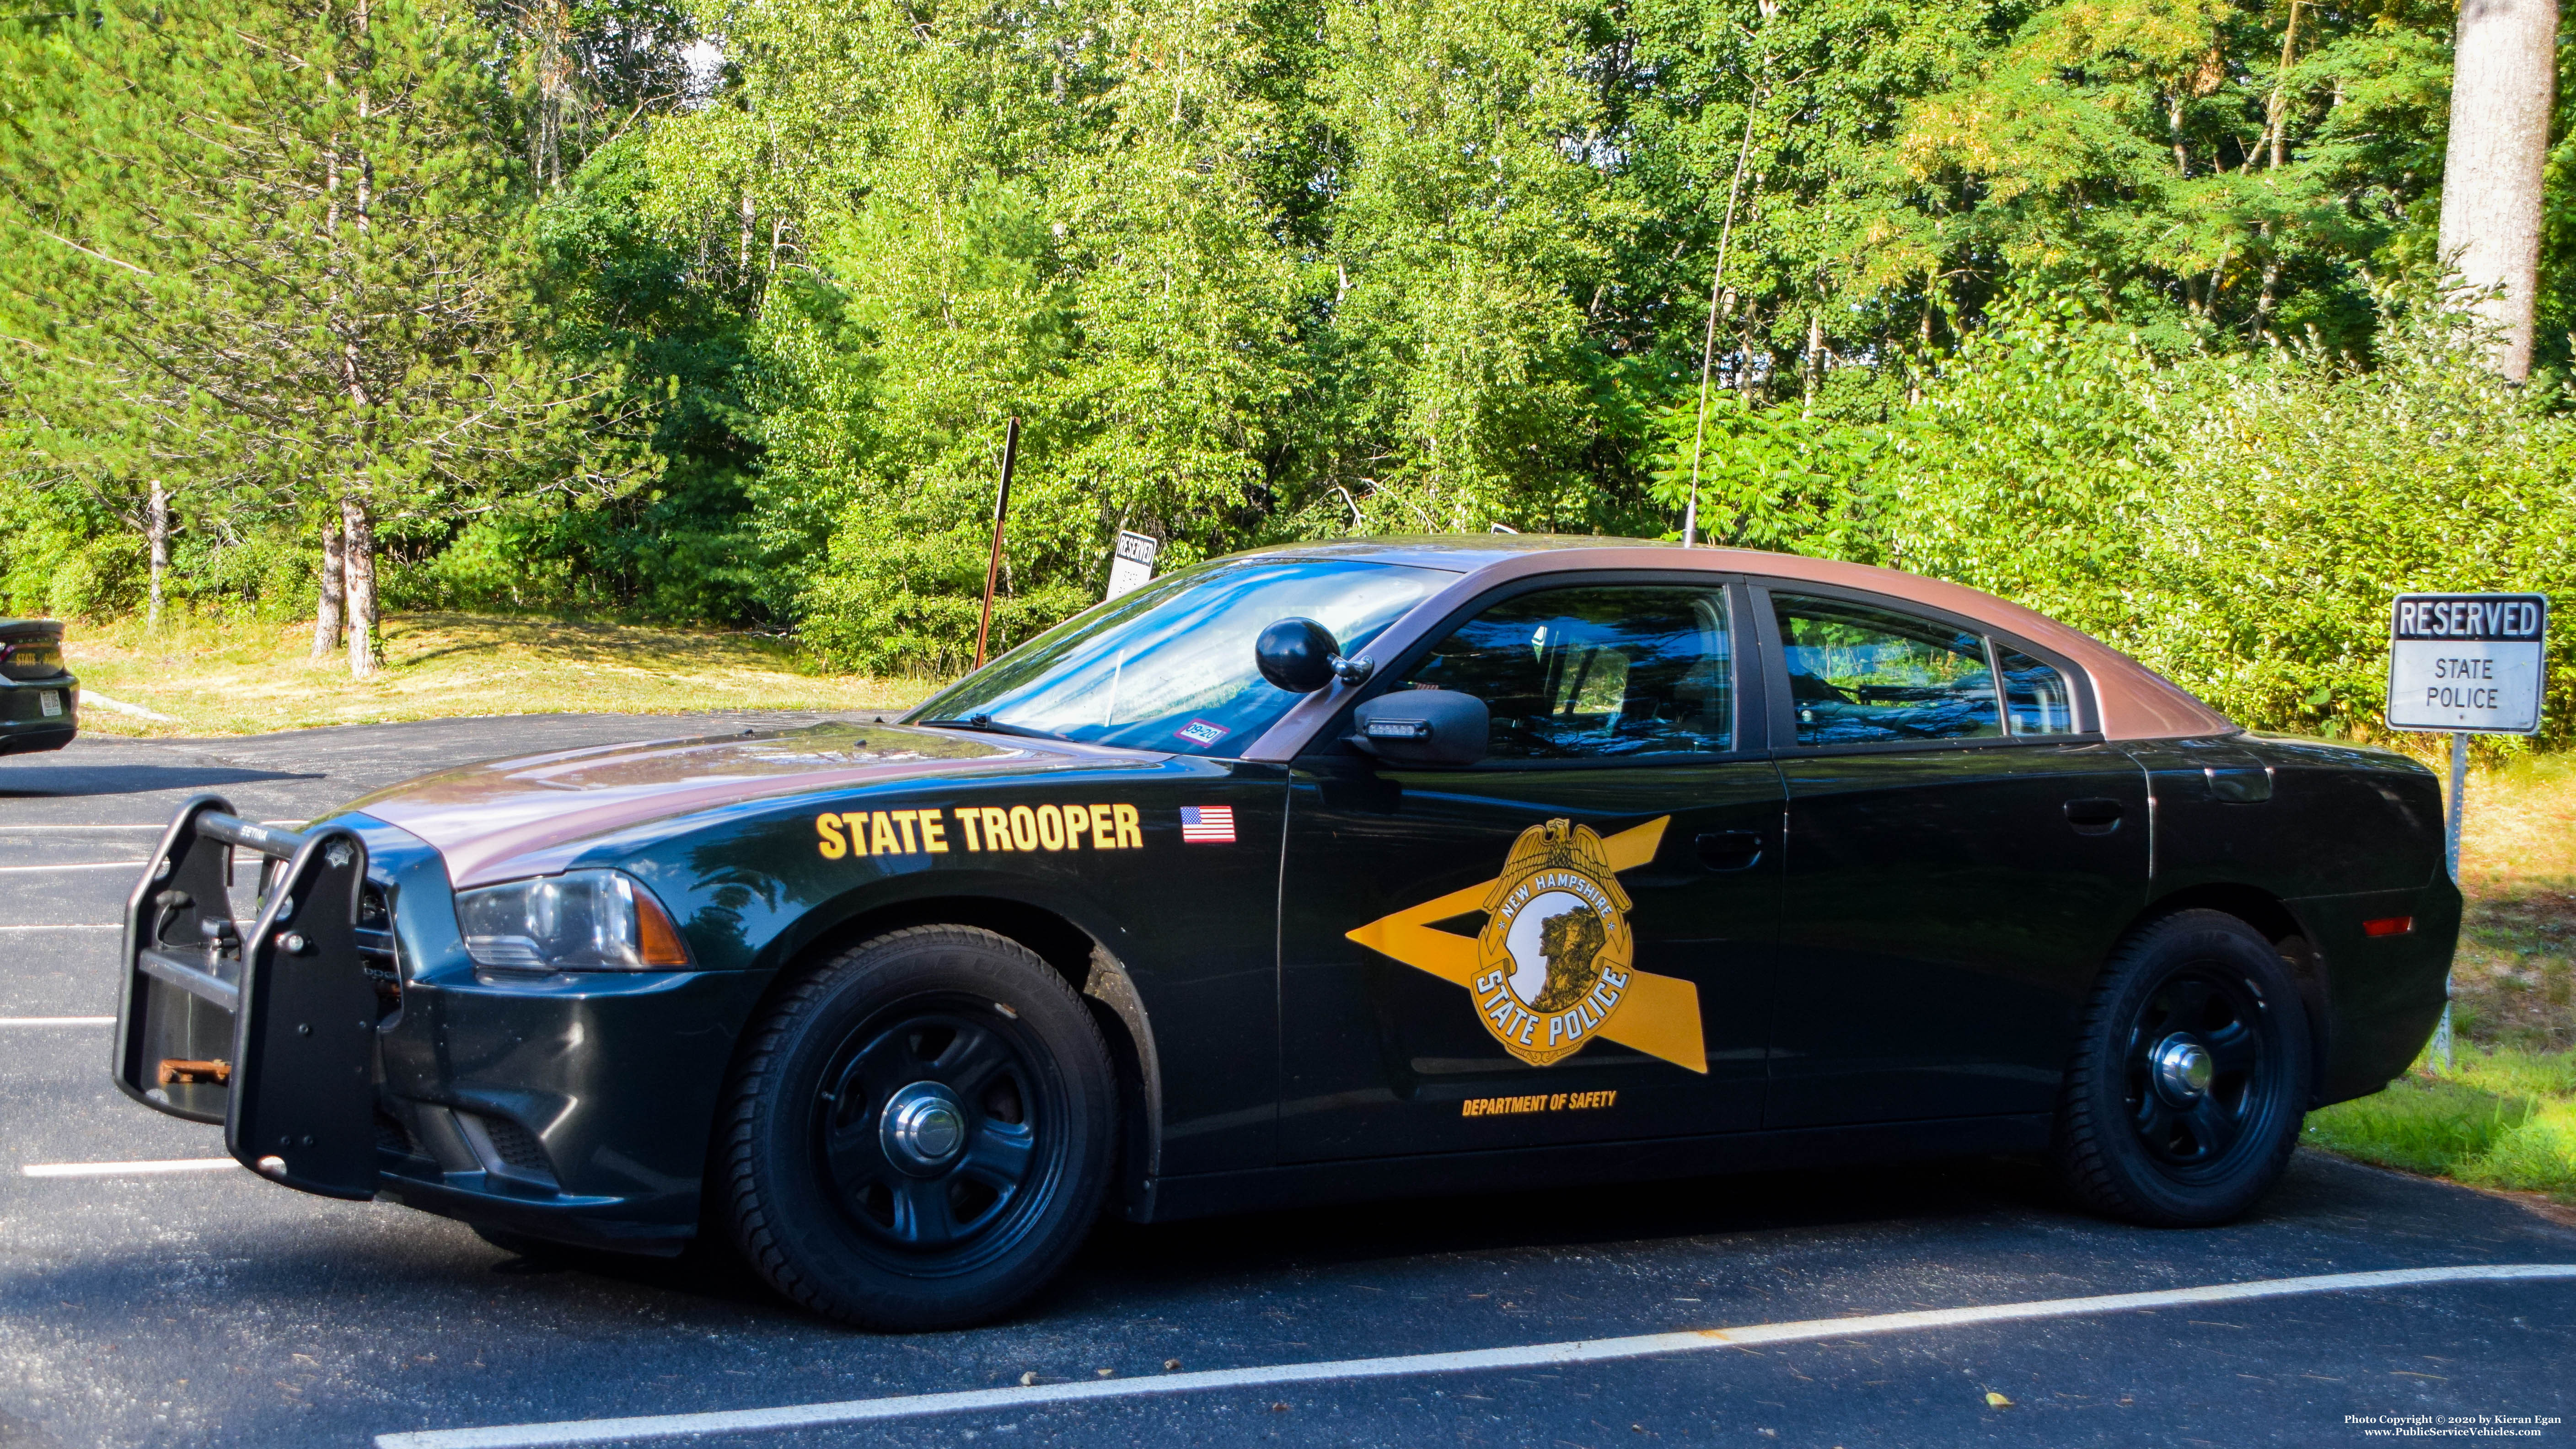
(1316, 874)
(39, 698)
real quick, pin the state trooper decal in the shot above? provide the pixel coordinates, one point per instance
(1555, 965)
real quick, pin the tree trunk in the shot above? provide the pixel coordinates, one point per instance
(1815, 359)
(360, 565)
(2501, 85)
(326, 614)
(156, 531)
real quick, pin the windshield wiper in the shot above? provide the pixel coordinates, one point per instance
(986, 724)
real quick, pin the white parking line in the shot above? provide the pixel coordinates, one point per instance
(83, 865)
(57, 1021)
(1542, 1355)
(126, 1169)
(144, 825)
(72, 926)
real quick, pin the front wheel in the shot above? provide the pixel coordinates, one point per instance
(2190, 1076)
(921, 1132)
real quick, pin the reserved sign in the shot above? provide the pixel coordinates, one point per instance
(2467, 662)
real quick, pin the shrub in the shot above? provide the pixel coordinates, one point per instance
(2240, 523)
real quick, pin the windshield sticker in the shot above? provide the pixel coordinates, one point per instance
(1202, 732)
(1207, 824)
(981, 827)
(1554, 966)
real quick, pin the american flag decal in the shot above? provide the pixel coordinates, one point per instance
(1207, 824)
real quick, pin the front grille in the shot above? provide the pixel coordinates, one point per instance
(378, 956)
(516, 1145)
(392, 1136)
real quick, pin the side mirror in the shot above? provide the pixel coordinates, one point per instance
(1423, 727)
(1297, 655)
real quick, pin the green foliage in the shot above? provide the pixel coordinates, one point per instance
(2420, 1124)
(2238, 521)
(2087, 302)
(2501, 1119)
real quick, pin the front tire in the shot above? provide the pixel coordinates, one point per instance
(2190, 1077)
(920, 1133)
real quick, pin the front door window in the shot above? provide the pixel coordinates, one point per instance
(1602, 672)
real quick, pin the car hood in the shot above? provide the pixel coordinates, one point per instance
(503, 819)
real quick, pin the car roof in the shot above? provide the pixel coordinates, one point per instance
(2134, 701)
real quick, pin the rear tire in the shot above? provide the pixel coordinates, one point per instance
(920, 1133)
(2190, 1077)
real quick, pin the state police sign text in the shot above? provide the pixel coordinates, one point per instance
(2467, 662)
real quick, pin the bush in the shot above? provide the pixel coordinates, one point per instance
(2239, 523)
(100, 579)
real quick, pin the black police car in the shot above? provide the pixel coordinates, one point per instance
(39, 698)
(1320, 873)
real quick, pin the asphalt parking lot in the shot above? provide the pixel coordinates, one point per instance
(209, 1307)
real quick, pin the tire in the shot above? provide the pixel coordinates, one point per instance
(2134, 1139)
(920, 1133)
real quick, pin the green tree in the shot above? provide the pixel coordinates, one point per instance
(271, 249)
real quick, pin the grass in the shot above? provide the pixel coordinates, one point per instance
(2505, 1115)
(234, 677)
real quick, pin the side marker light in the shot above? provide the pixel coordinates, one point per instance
(659, 942)
(2389, 926)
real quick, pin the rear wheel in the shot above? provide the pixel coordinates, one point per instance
(921, 1132)
(2190, 1075)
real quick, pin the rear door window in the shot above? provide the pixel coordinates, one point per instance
(1860, 675)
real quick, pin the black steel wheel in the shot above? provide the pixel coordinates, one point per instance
(2190, 1077)
(921, 1131)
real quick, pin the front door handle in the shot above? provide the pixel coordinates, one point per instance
(1730, 849)
(2093, 816)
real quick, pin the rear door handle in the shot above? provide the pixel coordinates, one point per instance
(2093, 816)
(1730, 849)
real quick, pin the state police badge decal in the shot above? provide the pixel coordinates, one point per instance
(1554, 968)
(1555, 957)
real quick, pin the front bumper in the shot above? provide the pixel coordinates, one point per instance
(570, 1106)
(38, 714)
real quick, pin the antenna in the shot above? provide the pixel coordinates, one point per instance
(993, 565)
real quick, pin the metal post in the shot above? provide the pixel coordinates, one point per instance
(1001, 511)
(2451, 857)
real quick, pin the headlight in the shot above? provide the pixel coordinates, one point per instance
(583, 920)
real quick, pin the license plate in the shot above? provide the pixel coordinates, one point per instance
(50, 702)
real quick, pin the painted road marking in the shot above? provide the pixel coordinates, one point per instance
(74, 926)
(126, 1169)
(1542, 1355)
(147, 825)
(83, 865)
(57, 1021)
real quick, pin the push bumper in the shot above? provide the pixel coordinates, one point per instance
(574, 1107)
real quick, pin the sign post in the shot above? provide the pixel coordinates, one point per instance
(1131, 565)
(2465, 664)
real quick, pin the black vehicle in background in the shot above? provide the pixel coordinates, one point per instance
(39, 707)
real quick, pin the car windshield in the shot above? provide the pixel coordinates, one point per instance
(1169, 667)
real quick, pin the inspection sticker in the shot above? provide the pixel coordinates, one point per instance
(2467, 662)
